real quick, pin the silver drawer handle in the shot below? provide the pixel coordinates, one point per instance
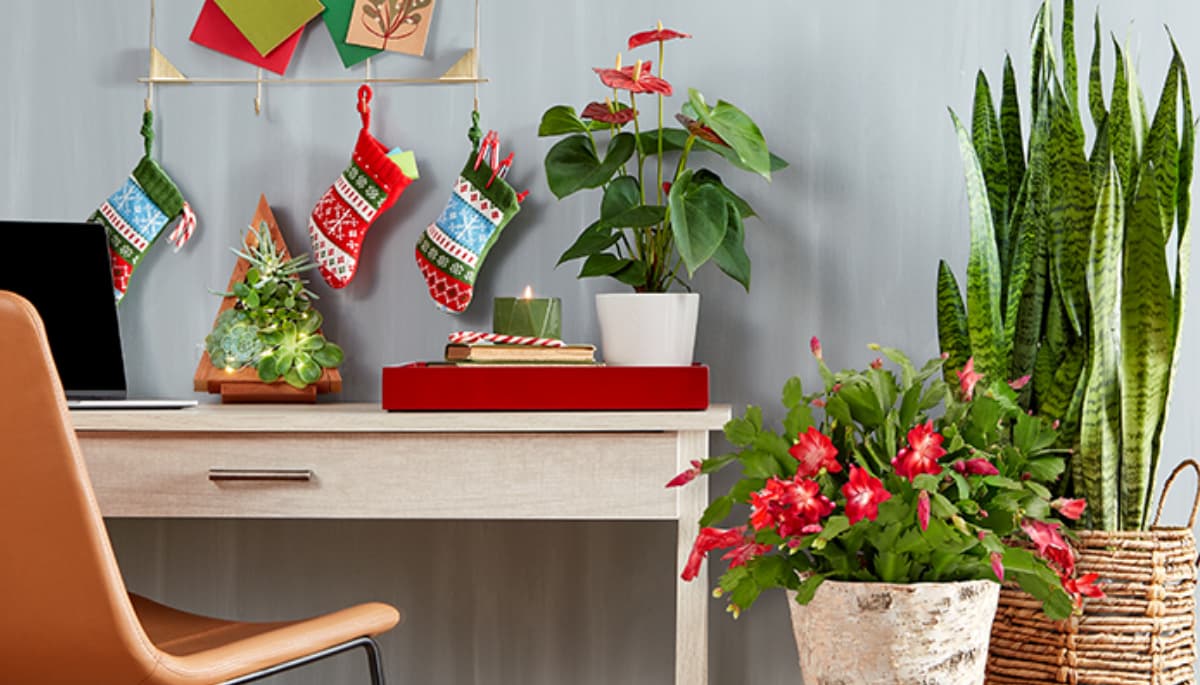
(260, 475)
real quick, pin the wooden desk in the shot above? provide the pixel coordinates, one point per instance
(349, 461)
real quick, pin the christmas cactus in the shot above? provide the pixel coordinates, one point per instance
(651, 227)
(904, 479)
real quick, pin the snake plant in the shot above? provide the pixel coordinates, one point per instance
(1069, 278)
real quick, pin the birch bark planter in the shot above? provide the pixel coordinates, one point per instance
(885, 634)
(647, 329)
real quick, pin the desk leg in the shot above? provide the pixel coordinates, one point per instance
(691, 599)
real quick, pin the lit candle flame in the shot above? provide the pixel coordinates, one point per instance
(528, 294)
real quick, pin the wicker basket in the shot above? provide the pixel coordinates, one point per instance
(1142, 633)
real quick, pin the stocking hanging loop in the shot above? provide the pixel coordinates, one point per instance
(148, 130)
(364, 104)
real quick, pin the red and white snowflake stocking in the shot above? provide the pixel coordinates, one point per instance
(367, 188)
(451, 250)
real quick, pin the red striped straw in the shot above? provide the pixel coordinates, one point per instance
(469, 337)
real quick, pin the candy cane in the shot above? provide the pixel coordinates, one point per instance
(469, 337)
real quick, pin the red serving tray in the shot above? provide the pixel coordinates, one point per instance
(440, 387)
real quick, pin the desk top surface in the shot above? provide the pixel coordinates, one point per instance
(346, 417)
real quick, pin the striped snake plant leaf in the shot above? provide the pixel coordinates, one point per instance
(984, 325)
(1183, 245)
(1095, 85)
(1147, 305)
(1120, 124)
(1010, 134)
(953, 338)
(1051, 354)
(1043, 64)
(1101, 156)
(1023, 332)
(1162, 148)
(1099, 432)
(1072, 206)
(1070, 63)
(989, 147)
(1010, 293)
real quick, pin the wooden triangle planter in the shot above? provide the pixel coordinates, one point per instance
(243, 385)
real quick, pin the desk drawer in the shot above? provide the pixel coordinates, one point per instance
(384, 475)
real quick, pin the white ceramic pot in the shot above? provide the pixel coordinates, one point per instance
(885, 634)
(647, 329)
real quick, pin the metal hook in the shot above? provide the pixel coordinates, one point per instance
(258, 94)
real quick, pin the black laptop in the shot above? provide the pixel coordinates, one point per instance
(70, 285)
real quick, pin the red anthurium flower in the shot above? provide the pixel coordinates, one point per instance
(921, 455)
(600, 111)
(708, 540)
(655, 36)
(998, 566)
(1083, 586)
(635, 79)
(967, 378)
(864, 493)
(666, 186)
(976, 467)
(1071, 508)
(1019, 383)
(814, 451)
(923, 510)
(687, 476)
(1050, 544)
(815, 346)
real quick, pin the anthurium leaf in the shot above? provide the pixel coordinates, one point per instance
(593, 240)
(572, 164)
(731, 255)
(562, 119)
(621, 195)
(675, 138)
(603, 264)
(699, 220)
(633, 274)
(737, 129)
(707, 176)
(636, 217)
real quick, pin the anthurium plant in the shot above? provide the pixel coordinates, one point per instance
(904, 478)
(1072, 277)
(654, 223)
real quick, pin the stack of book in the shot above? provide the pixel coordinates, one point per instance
(491, 354)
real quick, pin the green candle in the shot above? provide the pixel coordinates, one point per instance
(538, 317)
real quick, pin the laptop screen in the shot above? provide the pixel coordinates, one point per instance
(63, 269)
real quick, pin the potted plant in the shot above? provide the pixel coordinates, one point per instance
(654, 223)
(266, 343)
(1070, 281)
(896, 512)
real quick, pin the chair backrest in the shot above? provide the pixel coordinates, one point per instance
(65, 616)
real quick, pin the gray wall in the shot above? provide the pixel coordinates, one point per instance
(854, 94)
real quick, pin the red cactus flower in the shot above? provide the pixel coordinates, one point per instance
(601, 111)
(1050, 545)
(1019, 383)
(864, 493)
(687, 476)
(1083, 586)
(708, 540)
(1071, 508)
(921, 455)
(658, 35)
(877, 364)
(789, 506)
(738, 556)
(815, 346)
(967, 378)
(923, 510)
(976, 467)
(814, 451)
(635, 79)
(998, 565)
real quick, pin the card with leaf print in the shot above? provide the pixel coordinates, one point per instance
(393, 25)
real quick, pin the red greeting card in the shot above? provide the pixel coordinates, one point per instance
(216, 31)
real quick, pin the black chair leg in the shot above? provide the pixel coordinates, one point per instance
(374, 660)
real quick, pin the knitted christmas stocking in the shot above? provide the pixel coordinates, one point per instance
(451, 250)
(367, 188)
(139, 210)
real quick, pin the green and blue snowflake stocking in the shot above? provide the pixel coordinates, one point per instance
(139, 210)
(452, 249)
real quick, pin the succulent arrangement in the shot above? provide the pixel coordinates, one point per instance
(1069, 278)
(273, 327)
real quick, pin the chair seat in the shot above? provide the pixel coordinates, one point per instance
(202, 648)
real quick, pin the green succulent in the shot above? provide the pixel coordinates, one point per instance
(273, 327)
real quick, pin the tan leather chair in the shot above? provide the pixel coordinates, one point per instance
(65, 616)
